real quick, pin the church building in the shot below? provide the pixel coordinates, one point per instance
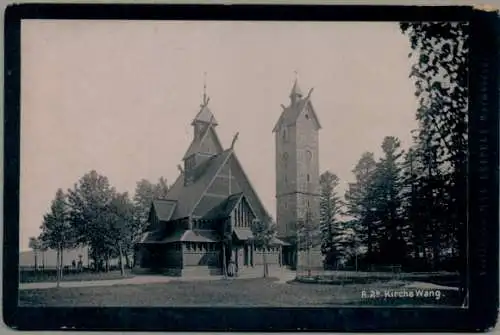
(207, 213)
(297, 169)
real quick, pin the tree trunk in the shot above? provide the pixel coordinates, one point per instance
(264, 261)
(36, 259)
(122, 270)
(107, 263)
(62, 262)
(58, 267)
(128, 265)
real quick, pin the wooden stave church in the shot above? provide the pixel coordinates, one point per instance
(212, 193)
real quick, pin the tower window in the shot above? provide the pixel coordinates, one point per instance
(308, 178)
(308, 155)
(307, 116)
(285, 134)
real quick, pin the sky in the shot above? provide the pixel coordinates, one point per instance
(118, 97)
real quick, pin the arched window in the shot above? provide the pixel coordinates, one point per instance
(308, 155)
(285, 159)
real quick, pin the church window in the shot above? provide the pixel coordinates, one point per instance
(308, 178)
(308, 155)
(285, 159)
(307, 116)
(285, 134)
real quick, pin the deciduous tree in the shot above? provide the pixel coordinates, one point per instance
(57, 232)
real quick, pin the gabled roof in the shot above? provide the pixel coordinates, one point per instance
(156, 237)
(195, 145)
(290, 114)
(188, 196)
(164, 209)
(251, 194)
(225, 208)
(205, 116)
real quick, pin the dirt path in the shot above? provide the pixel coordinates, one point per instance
(282, 276)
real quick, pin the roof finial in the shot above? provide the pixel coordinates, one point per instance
(234, 140)
(205, 101)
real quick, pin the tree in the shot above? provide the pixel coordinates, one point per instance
(118, 220)
(87, 201)
(330, 209)
(264, 231)
(35, 244)
(145, 193)
(309, 235)
(359, 202)
(57, 232)
(386, 196)
(440, 72)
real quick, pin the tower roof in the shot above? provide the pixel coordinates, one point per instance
(204, 116)
(296, 89)
(290, 114)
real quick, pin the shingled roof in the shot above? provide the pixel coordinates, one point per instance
(196, 144)
(164, 208)
(205, 116)
(188, 195)
(225, 208)
(290, 114)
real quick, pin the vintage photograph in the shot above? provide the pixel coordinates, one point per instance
(243, 164)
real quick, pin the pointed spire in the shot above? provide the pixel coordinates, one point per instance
(205, 101)
(205, 115)
(296, 91)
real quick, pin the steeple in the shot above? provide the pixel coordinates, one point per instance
(204, 118)
(296, 92)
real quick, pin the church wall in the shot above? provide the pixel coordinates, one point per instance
(286, 180)
(307, 167)
(286, 214)
(196, 253)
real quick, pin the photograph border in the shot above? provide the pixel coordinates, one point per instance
(482, 193)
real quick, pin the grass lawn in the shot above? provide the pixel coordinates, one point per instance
(258, 292)
(83, 276)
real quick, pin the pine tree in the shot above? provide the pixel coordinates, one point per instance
(330, 209)
(440, 71)
(359, 202)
